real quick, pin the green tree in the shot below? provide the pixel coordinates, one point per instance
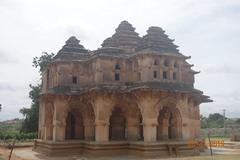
(42, 61)
(215, 117)
(238, 121)
(216, 120)
(203, 121)
(30, 123)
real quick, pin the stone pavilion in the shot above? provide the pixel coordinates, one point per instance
(134, 95)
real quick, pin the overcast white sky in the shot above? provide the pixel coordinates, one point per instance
(208, 30)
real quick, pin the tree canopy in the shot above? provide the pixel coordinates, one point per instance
(214, 120)
(30, 123)
(42, 61)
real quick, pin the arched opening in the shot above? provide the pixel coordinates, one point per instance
(165, 75)
(70, 127)
(134, 127)
(156, 62)
(74, 80)
(117, 77)
(166, 63)
(117, 72)
(126, 122)
(174, 75)
(47, 83)
(117, 125)
(141, 128)
(175, 65)
(74, 126)
(155, 74)
(169, 124)
(117, 67)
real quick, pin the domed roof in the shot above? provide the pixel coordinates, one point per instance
(72, 50)
(125, 37)
(72, 46)
(157, 40)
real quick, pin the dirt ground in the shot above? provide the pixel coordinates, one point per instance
(28, 154)
(4, 154)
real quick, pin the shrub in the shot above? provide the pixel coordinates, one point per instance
(18, 136)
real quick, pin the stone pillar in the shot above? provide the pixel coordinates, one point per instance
(101, 131)
(59, 131)
(161, 73)
(41, 127)
(165, 129)
(147, 104)
(102, 105)
(59, 119)
(133, 129)
(179, 76)
(170, 72)
(150, 129)
(89, 129)
(48, 134)
(186, 129)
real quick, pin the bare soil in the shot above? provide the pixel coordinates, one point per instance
(4, 154)
(28, 154)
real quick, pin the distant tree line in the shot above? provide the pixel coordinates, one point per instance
(216, 120)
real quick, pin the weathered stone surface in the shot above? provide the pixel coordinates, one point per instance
(157, 40)
(118, 93)
(125, 38)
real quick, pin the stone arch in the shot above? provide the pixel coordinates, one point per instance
(80, 121)
(167, 101)
(169, 124)
(126, 118)
(134, 122)
(117, 126)
(74, 125)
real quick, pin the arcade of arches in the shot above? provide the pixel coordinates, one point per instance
(136, 118)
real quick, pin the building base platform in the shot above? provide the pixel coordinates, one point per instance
(112, 148)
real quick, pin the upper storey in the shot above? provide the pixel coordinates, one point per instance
(124, 62)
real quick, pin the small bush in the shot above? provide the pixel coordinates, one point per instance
(18, 136)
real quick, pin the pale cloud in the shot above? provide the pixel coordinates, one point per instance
(222, 69)
(6, 58)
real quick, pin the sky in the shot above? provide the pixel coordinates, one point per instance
(206, 30)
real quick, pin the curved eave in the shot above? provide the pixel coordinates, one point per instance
(130, 87)
(159, 53)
